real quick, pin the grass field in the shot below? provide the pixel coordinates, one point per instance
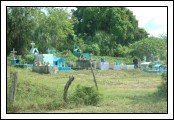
(124, 91)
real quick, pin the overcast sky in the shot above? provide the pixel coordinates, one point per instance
(152, 19)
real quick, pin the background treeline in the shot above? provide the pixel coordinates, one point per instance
(103, 31)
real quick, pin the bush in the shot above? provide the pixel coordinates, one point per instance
(164, 76)
(29, 59)
(86, 95)
(162, 89)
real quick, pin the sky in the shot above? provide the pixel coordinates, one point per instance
(152, 19)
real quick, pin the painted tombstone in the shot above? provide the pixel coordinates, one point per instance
(33, 50)
(14, 53)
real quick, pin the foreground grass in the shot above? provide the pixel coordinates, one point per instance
(125, 91)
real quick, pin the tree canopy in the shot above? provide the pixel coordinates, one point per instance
(109, 31)
(150, 47)
(110, 26)
(20, 28)
(47, 27)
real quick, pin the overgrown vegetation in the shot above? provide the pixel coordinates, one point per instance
(29, 59)
(164, 76)
(162, 89)
(86, 95)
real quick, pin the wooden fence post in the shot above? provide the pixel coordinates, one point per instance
(14, 82)
(66, 88)
(94, 77)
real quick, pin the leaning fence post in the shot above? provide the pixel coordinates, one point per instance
(66, 88)
(14, 82)
(94, 77)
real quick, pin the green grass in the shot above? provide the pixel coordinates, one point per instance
(124, 91)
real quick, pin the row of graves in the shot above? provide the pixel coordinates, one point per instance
(43, 63)
(104, 65)
(50, 63)
(153, 66)
(85, 61)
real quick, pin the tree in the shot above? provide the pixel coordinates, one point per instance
(141, 34)
(54, 30)
(20, 26)
(47, 27)
(150, 46)
(163, 36)
(117, 23)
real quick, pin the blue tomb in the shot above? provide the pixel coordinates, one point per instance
(61, 63)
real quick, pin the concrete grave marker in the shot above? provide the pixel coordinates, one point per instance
(34, 50)
(14, 53)
(48, 51)
(32, 44)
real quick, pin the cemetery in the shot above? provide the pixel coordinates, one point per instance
(50, 63)
(43, 63)
(107, 76)
(85, 60)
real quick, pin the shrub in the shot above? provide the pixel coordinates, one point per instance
(162, 89)
(29, 59)
(86, 95)
(164, 76)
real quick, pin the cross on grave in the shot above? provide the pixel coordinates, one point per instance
(14, 53)
(48, 51)
(53, 51)
(32, 44)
